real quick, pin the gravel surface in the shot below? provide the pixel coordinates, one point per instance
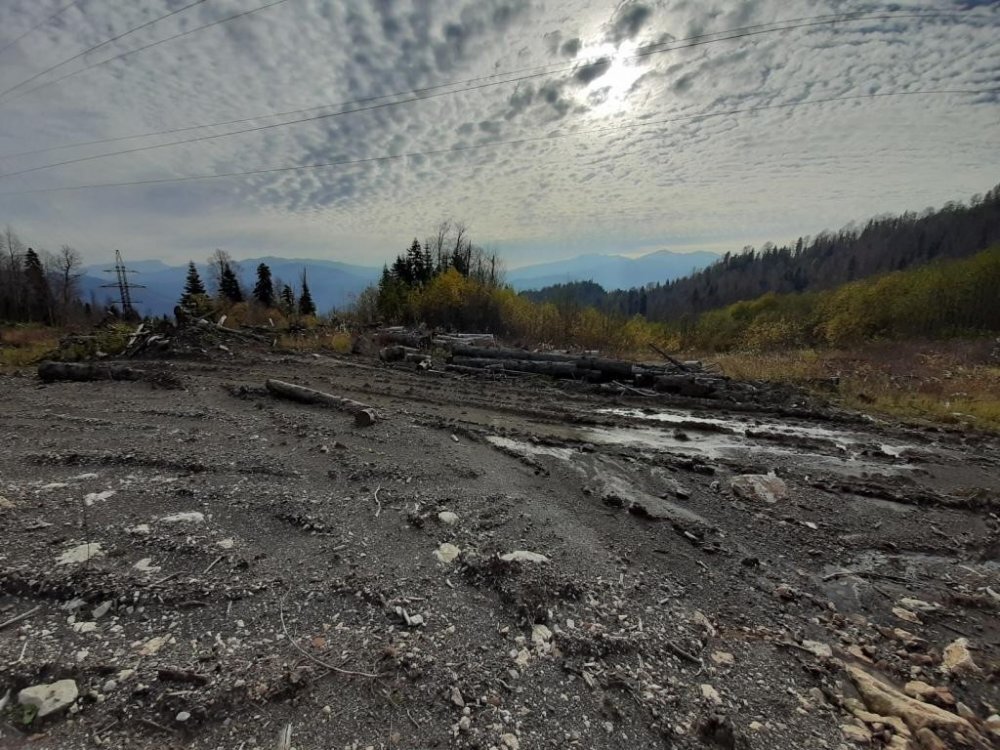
(493, 564)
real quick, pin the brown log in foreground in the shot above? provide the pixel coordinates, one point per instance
(87, 371)
(364, 415)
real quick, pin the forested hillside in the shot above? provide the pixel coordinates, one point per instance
(883, 244)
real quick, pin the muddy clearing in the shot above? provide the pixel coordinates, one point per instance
(493, 564)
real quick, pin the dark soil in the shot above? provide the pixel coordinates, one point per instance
(670, 613)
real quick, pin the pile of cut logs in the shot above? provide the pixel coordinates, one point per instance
(686, 378)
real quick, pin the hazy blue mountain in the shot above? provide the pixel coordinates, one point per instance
(611, 271)
(333, 284)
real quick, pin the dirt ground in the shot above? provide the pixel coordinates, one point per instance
(217, 568)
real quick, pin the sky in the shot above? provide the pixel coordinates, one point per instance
(619, 137)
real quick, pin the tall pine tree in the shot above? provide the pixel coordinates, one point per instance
(306, 305)
(193, 287)
(263, 291)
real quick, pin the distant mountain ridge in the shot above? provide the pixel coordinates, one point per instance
(335, 284)
(611, 271)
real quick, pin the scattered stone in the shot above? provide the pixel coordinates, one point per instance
(226, 543)
(145, 565)
(153, 645)
(907, 615)
(456, 697)
(817, 649)
(81, 554)
(918, 605)
(764, 488)
(190, 516)
(723, 658)
(84, 627)
(540, 635)
(856, 734)
(141, 529)
(958, 660)
(522, 556)
(183, 716)
(510, 741)
(447, 553)
(785, 592)
(49, 698)
(464, 724)
(101, 609)
(448, 518)
(97, 497)
(710, 694)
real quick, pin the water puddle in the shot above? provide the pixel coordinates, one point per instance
(810, 447)
(525, 448)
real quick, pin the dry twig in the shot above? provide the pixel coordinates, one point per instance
(310, 657)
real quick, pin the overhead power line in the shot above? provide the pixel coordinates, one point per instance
(550, 69)
(416, 95)
(512, 142)
(96, 47)
(40, 24)
(141, 49)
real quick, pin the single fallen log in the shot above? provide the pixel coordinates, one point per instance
(87, 371)
(364, 415)
(553, 369)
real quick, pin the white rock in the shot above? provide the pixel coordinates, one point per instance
(816, 648)
(919, 605)
(456, 697)
(723, 658)
(81, 553)
(510, 741)
(540, 635)
(97, 497)
(141, 529)
(101, 609)
(183, 716)
(957, 658)
(448, 518)
(109, 686)
(226, 543)
(49, 698)
(464, 724)
(710, 694)
(145, 565)
(153, 645)
(84, 627)
(765, 488)
(524, 556)
(447, 553)
(190, 516)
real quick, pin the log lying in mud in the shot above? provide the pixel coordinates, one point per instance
(364, 415)
(87, 371)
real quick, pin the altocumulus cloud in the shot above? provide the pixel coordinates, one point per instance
(715, 182)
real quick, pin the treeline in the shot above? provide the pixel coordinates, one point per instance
(37, 286)
(941, 299)
(882, 245)
(449, 282)
(270, 300)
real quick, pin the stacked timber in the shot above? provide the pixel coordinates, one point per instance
(686, 379)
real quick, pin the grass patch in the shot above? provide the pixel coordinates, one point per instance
(951, 382)
(338, 342)
(25, 345)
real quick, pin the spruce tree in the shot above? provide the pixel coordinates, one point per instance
(229, 285)
(287, 299)
(193, 287)
(40, 296)
(306, 305)
(263, 291)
